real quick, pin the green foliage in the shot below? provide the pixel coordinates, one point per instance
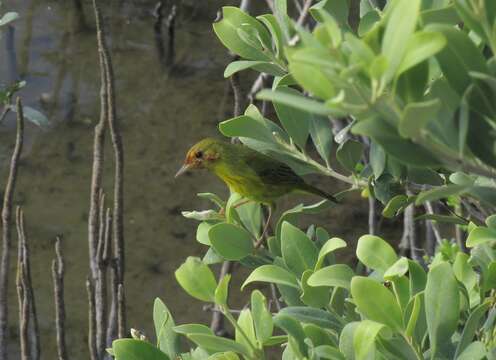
(421, 90)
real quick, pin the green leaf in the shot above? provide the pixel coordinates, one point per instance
(294, 121)
(368, 21)
(398, 269)
(480, 235)
(223, 356)
(321, 134)
(276, 33)
(338, 275)
(262, 318)
(440, 192)
(211, 257)
(222, 290)
(324, 319)
(296, 102)
(401, 149)
(193, 329)
(217, 343)
(245, 322)
(202, 232)
(272, 274)
(458, 57)
(421, 46)
(442, 306)
(313, 295)
(247, 126)
(328, 352)
(364, 338)
(230, 241)
(471, 326)
(416, 116)
(399, 29)
(167, 339)
(337, 8)
(349, 154)
(312, 79)
(8, 18)
(376, 302)
(293, 328)
(260, 66)
(491, 221)
(197, 279)
(377, 159)
(446, 15)
(330, 246)
(346, 340)
(375, 253)
(475, 351)
(414, 315)
(131, 349)
(396, 205)
(227, 31)
(298, 251)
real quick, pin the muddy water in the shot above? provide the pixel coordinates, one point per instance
(162, 110)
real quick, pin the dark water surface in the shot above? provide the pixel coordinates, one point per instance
(162, 112)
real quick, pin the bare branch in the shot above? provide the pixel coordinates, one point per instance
(91, 320)
(435, 229)
(217, 323)
(58, 272)
(7, 232)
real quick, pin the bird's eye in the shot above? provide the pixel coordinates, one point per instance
(199, 154)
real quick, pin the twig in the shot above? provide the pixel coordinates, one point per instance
(237, 95)
(58, 272)
(91, 320)
(27, 287)
(435, 229)
(98, 153)
(217, 323)
(273, 292)
(101, 282)
(304, 12)
(372, 216)
(7, 232)
(121, 311)
(112, 321)
(4, 113)
(409, 238)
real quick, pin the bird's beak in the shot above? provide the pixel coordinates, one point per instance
(183, 169)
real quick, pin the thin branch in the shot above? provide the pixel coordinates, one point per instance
(118, 224)
(236, 87)
(217, 323)
(7, 232)
(304, 13)
(98, 154)
(33, 329)
(91, 320)
(58, 272)
(4, 113)
(372, 216)
(435, 229)
(101, 282)
(121, 311)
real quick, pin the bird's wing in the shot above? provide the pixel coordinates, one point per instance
(271, 171)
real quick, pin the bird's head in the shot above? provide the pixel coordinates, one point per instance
(203, 154)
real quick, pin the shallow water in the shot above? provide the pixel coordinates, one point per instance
(162, 111)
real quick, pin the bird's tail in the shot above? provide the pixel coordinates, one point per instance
(316, 191)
